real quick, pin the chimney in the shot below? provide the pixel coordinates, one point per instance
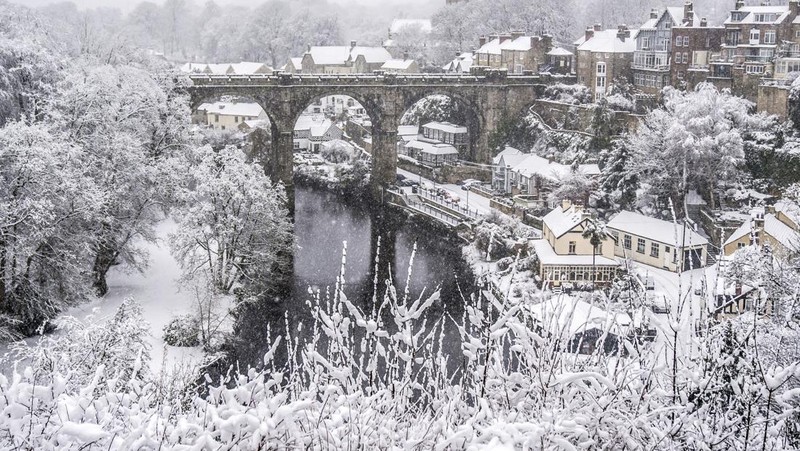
(654, 13)
(598, 27)
(353, 44)
(481, 41)
(545, 41)
(517, 34)
(703, 22)
(794, 8)
(739, 4)
(688, 13)
(504, 38)
(458, 54)
(405, 56)
(492, 37)
(589, 34)
(308, 48)
(565, 204)
(623, 32)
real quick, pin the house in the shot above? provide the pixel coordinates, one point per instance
(460, 65)
(448, 133)
(502, 165)
(566, 256)
(754, 37)
(400, 66)
(406, 134)
(695, 43)
(229, 115)
(651, 59)
(294, 66)
(311, 130)
(242, 68)
(778, 226)
(515, 52)
(604, 56)
(657, 243)
(583, 326)
(433, 154)
(351, 59)
(560, 61)
(534, 176)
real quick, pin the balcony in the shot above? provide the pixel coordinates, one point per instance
(651, 60)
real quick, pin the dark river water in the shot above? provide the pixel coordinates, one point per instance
(323, 223)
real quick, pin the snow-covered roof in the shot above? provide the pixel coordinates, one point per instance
(507, 152)
(781, 13)
(339, 55)
(312, 122)
(559, 51)
(249, 68)
(608, 41)
(790, 209)
(522, 43)
(781, 232)
(491, 47)
(445, 127)
(432, 148)
(232, 109)
(564, 313)
(743, 231)
(561, 221)
(535, 165)
(397, 64)
(548, 256)
(461, 63)
(407, 130)
(694, 198)
(655, 229)
(675, 13)
(398, 24)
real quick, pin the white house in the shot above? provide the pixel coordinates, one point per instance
(658, 243)
(460, 65)
(311, 130)
(229, 115)
(431, 153)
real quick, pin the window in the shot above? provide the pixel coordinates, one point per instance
(216, 118)
(645, 43)
(754, 36)
(626, 242)
(572, 247)
(753, 69)
(686, 41)
(740, 245)
(601, 68)
(680, 74)
(685, 58)
(797, 34)
(235, 119)
(765, 17)
(769, 37)
(678, 41)
(654, 250)
(640, 245)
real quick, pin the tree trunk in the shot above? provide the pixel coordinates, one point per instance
(103, 261)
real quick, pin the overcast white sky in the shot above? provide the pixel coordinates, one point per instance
(129, 4)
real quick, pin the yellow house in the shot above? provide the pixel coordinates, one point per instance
(657, 243)
(780, 229)
(230, 115)
(565, 255)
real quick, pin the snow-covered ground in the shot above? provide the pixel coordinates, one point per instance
(157, 291)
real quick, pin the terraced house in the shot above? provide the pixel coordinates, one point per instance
(514, 51)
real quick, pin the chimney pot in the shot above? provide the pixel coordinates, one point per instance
(589, 34)
(598, 27)
(482, 41)
(353, 44)
(654, 13)
(703, 22)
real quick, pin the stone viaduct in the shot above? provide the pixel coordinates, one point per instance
(487, 98)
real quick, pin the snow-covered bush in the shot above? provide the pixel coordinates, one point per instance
(183, 330)
(576, 94)
(338, 151)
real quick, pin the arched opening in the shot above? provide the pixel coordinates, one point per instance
(438, 129)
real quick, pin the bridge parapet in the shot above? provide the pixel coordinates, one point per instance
(285, 79)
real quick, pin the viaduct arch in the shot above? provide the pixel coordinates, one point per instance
(385, 97)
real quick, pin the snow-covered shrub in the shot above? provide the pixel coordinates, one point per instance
(576, 94)
(183, 330)
(338, 151)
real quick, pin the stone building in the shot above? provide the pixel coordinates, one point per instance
(604, 56)
(228, 115)
(754, 37)
(342, 59)
(654, 43)
(514, 51)
(699, 43)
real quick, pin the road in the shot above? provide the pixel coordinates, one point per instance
(467, 200)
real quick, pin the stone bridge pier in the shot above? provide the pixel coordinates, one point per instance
(488, 99)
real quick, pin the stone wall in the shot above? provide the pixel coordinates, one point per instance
(773, 100)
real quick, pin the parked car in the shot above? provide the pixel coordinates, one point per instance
(466, 184)
(658, 302)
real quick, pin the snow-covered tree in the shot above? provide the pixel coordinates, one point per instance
(232, 222)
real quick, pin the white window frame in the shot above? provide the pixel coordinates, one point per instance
(755, 36)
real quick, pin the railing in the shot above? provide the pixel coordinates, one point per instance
(444, 202)
(285, 78)
(776, 82)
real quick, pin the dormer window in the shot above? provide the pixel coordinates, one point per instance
(765, 17)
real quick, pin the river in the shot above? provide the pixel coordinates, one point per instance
(323, 223)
